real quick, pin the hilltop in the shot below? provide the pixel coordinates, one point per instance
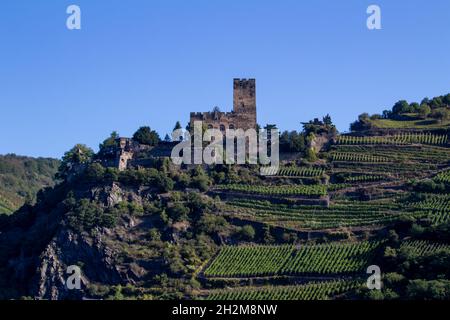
(430, 114)
(144, 228)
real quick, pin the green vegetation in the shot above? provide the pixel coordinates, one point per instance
(338, 214)
(283, 190)
(251, 261)
(429, 114)
(443, 177)
(365, 178)
(300, 172)
(311, 291)
(357, 157)
(337, 205)
(399, 139)
(147, 136)
(435, 207)
(408, 124)
(423, 247)
(22, 177)
(74, 159)
(331, 258)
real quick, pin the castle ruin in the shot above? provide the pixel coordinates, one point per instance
(128, 152)
(243, 115)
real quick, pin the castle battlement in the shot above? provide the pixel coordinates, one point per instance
(243, 115)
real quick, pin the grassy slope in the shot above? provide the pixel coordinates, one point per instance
(409, 124)
(22, 177)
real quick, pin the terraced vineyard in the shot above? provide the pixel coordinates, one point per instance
(249, 260)
(357, 157)
(338, 214)
(435, 207)
(365, 178)
(443, 177)
(405, 153)
(300, 172)
(396, 161)
(310, 291)
(405, 138)
(422, 247)
(331, 258)
(279, 190)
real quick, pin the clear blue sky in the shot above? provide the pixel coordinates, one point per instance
(142, 62)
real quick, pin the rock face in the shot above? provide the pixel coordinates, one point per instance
(320, 142)
(38, 246)
(68, 249)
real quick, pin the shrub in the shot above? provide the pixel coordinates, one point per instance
(247, 232)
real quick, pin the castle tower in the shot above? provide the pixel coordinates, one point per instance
(244, 109)
(244, 102)
(244, 95)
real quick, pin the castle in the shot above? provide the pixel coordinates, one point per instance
(128, 152)
(243, 115)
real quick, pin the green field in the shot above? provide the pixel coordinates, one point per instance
(338, 214)
(277, 190)
(330, 258)
(310, 291)
(409, 124)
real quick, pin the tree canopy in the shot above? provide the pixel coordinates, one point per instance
(145, 135)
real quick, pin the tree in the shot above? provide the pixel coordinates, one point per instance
(297, 142)
(311, 155)
(145, 135)
(414, 107)
(247, 232)
(110, 141)
(364, 117)
(327, 120)
(79, 154)
(386, 114)
(436, 102)
(167, 138)
(178, 212)
(177, 126)
(442, 114)
(446, 99)
(400, 107)
(424, 111)
(425, 101)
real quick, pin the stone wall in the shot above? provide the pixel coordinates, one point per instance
(243, 115)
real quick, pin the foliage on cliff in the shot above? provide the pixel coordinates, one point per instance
(22, 177)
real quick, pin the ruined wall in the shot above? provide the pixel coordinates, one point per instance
(243, 115)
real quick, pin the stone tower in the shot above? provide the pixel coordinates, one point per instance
(243, 115)
(244, 102)
(244, 97)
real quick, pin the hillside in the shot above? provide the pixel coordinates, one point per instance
(430, 114)
(161, 231)
(22, 177)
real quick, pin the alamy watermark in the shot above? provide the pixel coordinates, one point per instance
(73, 22)
(74, 279)
(232, 146)
(374, 280)
(374, 20)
